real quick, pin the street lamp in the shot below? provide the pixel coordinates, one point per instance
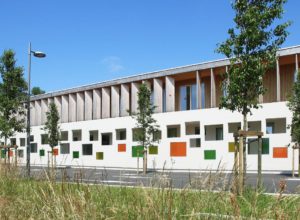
(37, 54)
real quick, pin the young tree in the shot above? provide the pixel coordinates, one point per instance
(12, 96)
(145, 123)
(251, 47)
(294, 106)
(52, 128)
(37, 91)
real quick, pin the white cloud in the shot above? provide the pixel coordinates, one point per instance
(113, 64)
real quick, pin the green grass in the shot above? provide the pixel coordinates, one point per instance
(33, 199)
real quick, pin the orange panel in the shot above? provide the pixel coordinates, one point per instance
(11, 153)
(121, 147)
(55, 152)
(178, 149)
(280, 152)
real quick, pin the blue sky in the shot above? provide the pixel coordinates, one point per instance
(92, 41)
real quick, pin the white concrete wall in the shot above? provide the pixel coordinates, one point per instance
(44, 104)
(72, 107)
(80, 106)
(105, 102)
(96, 104)
(134, 97)
(125, 100)
(115, 101)
(32, 114)
(65, 108)
(88, 105)
(38, 112)
(57, 102)
(195, 156)
(170, 94)
(158, 95)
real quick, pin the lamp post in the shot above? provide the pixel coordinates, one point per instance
(37, 54)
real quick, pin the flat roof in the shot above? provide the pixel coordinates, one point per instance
(156, 74)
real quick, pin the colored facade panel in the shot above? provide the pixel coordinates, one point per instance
(75, 154)
(253, 146)
(231, 147)
(280, 152)
(209, 154)
(99, 156)
(55, 152)
(178, 149)
(137, 151)
(153, 150)
(11, 153)
(3, 153)
(42, 152)
(121, 147)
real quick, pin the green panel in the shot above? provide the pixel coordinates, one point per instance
(153, 150)
(75, 154)
(42, 152)
(99, 155)
(209, 154)
(265, 146)
(231, 147)
(3, 153)
(137, 150)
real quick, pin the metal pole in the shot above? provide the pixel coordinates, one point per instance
(28, 114)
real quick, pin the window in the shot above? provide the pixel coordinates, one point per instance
(33, 148)
(234, 127)
(13, 141)
(195, 142)
(20, 153)
(275, 125)
(213, 132)
(87, 149)
(136, 133)
(31, 138)
(254, 126)
(94, 135)
(65, 148)
(106, 138)
(188, 97)
(64, 135)
(253, 146)
(22, 142)
(121, 134)
(192, 128)
(157, 135)
(44, 138)
(173, 131)
(76, 135)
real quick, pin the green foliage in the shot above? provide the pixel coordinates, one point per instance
(145, 123)
(294, 106)
(251, 46)
(51, 126)
(37, 91)
(12, 96)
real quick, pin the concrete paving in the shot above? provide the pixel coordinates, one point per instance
(169, 178)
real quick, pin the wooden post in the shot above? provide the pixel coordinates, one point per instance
(298, 160)
(16, 156)
(293, 162)
(259, 176)
(241, 170)
(138, 162)
(236, 164)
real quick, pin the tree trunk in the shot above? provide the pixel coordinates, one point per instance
(145, 162)
(298, 160)
(52, 163)
(245, 128)
(259, 176)
(5, 145)
(241, 170)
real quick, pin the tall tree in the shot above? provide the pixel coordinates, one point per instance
(12, 96)
(52, 128)
(294, 106)
(37, 91)
(145, 123)
(251, 47)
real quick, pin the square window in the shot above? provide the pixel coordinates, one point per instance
(33, 148)
(275, 125)
(94, 135)
(22, 142)
(136, 134)
(270, 127)
(13, 141)
(87, 149)
(213, 132)
(253, 146)
(76, 135)
(20, 153)
(173, 131)
(192, 128)
(234, 127)
(44, 138)
(195, 142)
(75, 154)
(106, 138)
(121, 134)
(254, 125)
(65, 148)
(219, 133)
(42, 152)
(31, 138)
(157, 135)
(64, 135)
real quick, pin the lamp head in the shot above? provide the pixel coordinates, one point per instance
(39, 54)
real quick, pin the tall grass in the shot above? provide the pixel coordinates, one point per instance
(45, 199)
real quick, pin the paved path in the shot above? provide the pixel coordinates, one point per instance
(180, 180)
